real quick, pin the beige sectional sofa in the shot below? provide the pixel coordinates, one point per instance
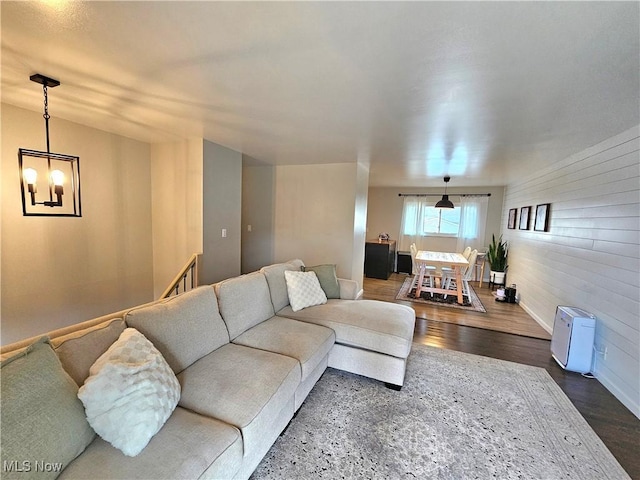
(244, 359)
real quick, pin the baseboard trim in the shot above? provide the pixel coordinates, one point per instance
(540, 321)
(630, 403)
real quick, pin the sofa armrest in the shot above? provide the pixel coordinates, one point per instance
(349, 289)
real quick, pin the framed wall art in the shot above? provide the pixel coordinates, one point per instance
(513, 213)
(525, 212)
(541, 223)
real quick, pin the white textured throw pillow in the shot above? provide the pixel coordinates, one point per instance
(130, 393)
(304, 290)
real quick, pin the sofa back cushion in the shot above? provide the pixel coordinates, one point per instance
(42, 418)
(184, 328)
(277, 284)
(79, 350)
(244, 302)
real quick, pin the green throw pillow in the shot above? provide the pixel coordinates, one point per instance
(328, 279)
(43, 422)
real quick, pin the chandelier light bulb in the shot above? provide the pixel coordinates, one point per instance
(30, 175)
(57, 177)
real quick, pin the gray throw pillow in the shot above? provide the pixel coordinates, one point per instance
(328, 279)
(43, 422)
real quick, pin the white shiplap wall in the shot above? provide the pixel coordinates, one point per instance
(590, 257)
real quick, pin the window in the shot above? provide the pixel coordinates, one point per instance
(421, 219)
(440, 221)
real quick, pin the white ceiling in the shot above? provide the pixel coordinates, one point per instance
(479, 91)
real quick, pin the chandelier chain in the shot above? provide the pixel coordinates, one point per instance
(46, 103)
(46, 117)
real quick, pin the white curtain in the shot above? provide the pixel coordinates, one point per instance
(411, 227)
(473, 220)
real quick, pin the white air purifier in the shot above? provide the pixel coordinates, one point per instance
(572, 340)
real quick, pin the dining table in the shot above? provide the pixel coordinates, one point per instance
(456, 261)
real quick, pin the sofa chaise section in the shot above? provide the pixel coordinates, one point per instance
(373, 338)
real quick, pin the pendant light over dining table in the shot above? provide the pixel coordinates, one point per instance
(445, 202)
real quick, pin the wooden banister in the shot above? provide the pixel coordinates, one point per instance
(187, 278)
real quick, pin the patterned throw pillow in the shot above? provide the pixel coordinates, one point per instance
(130, 393)
(304, 290)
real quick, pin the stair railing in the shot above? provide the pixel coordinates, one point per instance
(186, 280)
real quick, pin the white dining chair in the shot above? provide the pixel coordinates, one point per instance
(429, 271)
(466, 274)
(447, 272)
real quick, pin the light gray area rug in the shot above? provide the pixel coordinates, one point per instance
(458, 416)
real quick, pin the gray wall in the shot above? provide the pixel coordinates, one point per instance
(257, 217)
(222, 198)
(590, 257)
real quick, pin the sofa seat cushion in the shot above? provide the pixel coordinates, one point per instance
(306, 342)
(370, 324)
(242, 386)
(189, 445)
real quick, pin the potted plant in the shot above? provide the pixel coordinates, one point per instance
(497, 258)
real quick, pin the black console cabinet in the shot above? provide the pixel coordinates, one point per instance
(379, 258)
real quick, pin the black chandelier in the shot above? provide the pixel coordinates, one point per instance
(61, 171)
(445, 202)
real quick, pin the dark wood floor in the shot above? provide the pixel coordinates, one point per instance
(618, 428)
(500, 316)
